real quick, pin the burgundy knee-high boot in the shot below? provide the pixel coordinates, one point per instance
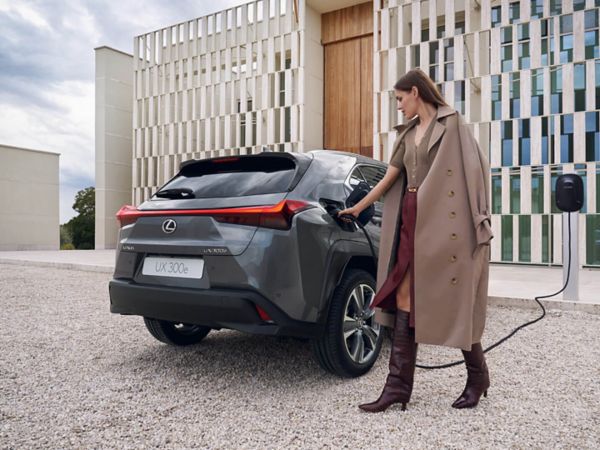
(478, 378)
(399, 382)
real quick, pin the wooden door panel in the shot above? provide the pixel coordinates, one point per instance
(366, 96)
(342, 103)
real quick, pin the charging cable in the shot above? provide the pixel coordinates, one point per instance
(511, 334)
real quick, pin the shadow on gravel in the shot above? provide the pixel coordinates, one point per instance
(229, 355)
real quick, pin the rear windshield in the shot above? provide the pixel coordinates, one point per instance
(235, 177)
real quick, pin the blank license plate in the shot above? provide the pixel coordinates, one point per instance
(173, 267)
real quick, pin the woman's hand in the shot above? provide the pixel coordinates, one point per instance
(348, 211)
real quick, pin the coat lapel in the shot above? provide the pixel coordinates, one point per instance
(439, 128)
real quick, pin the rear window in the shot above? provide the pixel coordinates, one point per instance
(234, 177)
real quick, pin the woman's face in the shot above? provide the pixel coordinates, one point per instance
(407, 102)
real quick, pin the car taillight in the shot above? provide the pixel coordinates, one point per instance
(263, 314)
(277, 216)
(127, 215)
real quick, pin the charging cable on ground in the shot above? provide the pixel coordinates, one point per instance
(511, 334)
(569, 198)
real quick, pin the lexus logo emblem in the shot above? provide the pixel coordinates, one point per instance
(169, 226)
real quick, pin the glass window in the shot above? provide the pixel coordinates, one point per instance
(415, 55)
(580, 169)
(545, 25)
(556, 90)
(545, 141)
(592, 49)
(515, 191)
(524, 55)
(537, 9)
(507, 238)
(507, 55)
(515, 94)
(597, 82)
(240, 176)
(523, 32)
(592, 136)
(507, 144)
(555, 7)
(496, 16)
(566, 24)
(547, 238)
(537, 92)
(537, 190)
(434, 52)
(441, 30)
(496, 191)
(459, 24)
(514, 12)
(592, 239)
(449, 59)
(579, 87)
(506, 35)
(434, 60)
(424, 34)
(545, 51)
(566, 48)
(591, 19)
(459, 96)
(496, 97)
(578, 5)
(566, 138)
(597, 187)
(555, 172)
(524, 143)
(525, 238)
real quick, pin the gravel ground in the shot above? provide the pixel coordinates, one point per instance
(74, 376)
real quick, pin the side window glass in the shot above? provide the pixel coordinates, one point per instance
(356, 177)
(372, 174)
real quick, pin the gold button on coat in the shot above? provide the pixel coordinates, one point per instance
(453, 236)
(449, 172)
(454, 281)
(452, 215)
(453, 258)
(450, 193)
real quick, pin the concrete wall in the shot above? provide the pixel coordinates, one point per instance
(29, 212)
(313, 81)
(114, 113)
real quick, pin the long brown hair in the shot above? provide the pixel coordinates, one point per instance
(425, 85)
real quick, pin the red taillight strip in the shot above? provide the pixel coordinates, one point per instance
(129, 214)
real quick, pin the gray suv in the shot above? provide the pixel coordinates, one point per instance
(250, 243)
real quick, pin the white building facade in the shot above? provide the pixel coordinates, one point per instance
(297, 75)
(29, 204)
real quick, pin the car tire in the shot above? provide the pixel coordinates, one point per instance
(173, 333)
(352, 340)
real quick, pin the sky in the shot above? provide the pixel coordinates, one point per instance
(47, 72)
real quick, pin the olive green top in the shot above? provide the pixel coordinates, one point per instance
(416, 158)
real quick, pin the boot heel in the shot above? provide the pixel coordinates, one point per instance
(485, 393)
(403, 406)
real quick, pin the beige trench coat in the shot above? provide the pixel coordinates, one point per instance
(452, 236)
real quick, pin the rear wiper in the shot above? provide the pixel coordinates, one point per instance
(175, 193)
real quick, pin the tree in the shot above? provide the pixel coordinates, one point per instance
(82, 226)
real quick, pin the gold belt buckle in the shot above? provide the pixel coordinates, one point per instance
(412, 189)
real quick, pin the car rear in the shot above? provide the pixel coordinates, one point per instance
(217, 246)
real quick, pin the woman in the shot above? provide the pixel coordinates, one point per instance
(433, 265)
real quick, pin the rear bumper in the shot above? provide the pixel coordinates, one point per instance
(215, 308)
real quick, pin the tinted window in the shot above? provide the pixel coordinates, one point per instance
(371, 174)
(234, 177)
